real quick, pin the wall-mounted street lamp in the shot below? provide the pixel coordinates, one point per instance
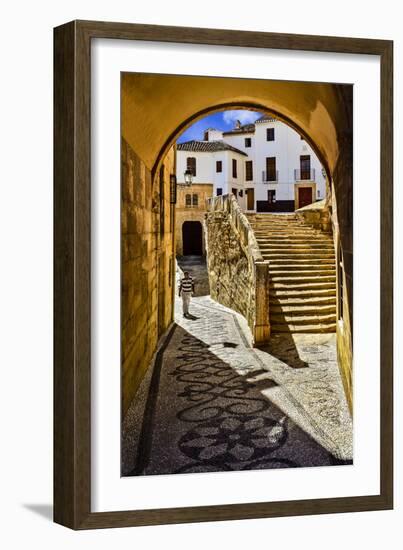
(188, 179)
(188, 175)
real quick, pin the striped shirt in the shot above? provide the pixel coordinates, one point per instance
(186, 284)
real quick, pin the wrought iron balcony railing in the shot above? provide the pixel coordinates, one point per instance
(301, 175)
(270, 176)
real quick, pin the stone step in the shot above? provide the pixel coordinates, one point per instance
(275, 221)
(304, 329)
(302, 291)
(286, 244)
(265, 225)
(269, 225)
(281, 295)
(293, 285)
(308, 262)
(303, 310)
(297, 251)
(298, 320)
(298, 239)
(288, 229)
(291, 235)
(294, 238)
(272, 221)
(309, 302)
(256, 218)
(294, 246)
(279, 221)
(297, 277)
(304, 269)
(293, 256)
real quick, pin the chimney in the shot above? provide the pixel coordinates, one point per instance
(238, 124)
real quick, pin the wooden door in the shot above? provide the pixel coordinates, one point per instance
(251, 199)
(304, 196)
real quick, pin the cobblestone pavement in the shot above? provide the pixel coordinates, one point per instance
(212, 402)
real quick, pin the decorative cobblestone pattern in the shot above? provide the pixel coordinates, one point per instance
(147, 265)
(212, 402)
(238, 274)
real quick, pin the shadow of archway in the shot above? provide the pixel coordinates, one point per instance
(200, 415)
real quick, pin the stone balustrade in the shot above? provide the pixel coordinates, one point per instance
(316, 215)
(238, 274)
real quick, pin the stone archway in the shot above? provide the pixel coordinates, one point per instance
(321, 113)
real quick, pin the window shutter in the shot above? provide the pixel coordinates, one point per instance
(191, 165)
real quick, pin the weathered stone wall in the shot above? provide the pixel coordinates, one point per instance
(328, 215)
(185, 213)
(344, 318)
(147, 265)
(238, 276)
(342, 219)
(231, 276)
(344, 346)
(317, 215)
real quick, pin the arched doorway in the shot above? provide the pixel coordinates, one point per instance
(192, 238)
(320, 113)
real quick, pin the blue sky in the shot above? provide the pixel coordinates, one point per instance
(224, 120)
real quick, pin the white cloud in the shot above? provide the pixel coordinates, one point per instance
(245, 117)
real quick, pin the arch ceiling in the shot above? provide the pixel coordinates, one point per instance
(157, 108)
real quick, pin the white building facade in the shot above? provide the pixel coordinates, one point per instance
(266, 165)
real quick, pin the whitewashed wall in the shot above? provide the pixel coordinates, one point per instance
(206, 170)
(286, 147)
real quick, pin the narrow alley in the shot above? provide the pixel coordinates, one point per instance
(212, 402)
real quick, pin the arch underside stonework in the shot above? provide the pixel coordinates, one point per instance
(156, 109)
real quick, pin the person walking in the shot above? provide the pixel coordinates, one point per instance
(186, 289)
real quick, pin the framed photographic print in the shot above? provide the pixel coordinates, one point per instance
(223, 205)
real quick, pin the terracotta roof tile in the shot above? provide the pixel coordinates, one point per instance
(266, 118)
(208, 147)
(244, 129)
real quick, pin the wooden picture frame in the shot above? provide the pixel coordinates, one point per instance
(72, 270)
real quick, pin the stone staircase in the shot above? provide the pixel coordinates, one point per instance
(302, 270)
